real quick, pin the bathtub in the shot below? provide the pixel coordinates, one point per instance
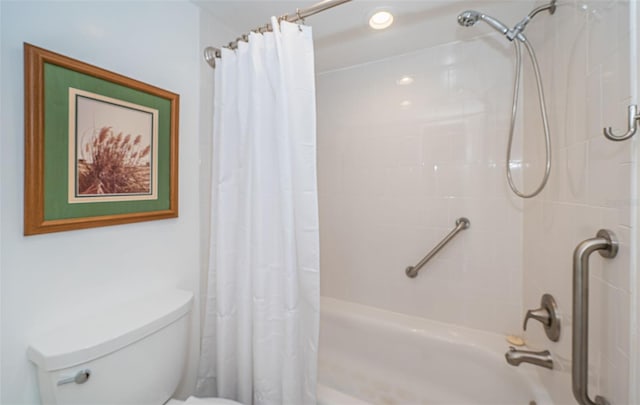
(370, 356)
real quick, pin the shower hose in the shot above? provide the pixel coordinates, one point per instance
(514, 109)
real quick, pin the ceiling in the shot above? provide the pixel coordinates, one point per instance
(343, 38)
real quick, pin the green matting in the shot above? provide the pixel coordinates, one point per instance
(56, 144)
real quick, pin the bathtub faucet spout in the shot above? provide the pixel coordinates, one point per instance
(542, 359)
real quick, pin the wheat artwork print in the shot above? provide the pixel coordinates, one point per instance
(112, 149)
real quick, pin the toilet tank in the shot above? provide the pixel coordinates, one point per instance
(135, 354)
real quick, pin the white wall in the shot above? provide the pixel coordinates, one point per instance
(393, 179)
(56, 278)
(584, 51)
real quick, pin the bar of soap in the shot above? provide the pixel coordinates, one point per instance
(515, 340)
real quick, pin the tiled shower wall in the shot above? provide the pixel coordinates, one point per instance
(399, 163)
(584, 53)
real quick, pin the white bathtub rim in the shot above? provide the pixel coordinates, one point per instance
(475, 338)
(492, 344)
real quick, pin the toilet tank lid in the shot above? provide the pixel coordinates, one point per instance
(108, 331)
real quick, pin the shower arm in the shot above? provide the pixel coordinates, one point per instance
(519, 27)
(551, 7)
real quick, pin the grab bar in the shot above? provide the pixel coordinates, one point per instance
(606, 243)
(461, 223)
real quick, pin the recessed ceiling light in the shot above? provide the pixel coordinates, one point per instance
(405, 104)
(404, 80)
(381, 20)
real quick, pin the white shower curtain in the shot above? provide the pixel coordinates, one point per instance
(260, 332)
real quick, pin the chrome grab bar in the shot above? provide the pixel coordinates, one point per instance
(606, 243)
(461, 223)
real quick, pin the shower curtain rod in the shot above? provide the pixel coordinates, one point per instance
(211, 53)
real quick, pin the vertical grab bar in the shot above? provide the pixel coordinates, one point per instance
(606, 243)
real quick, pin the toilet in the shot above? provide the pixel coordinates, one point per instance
(132, 354)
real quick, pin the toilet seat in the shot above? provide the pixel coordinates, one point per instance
(203, 401)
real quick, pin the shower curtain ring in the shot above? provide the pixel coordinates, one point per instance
(300, 18)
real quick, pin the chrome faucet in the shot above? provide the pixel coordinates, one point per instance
(547, 315)
(542, 359)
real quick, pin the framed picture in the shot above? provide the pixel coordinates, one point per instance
(100, 148)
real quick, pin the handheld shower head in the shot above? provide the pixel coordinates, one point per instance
(470, 17)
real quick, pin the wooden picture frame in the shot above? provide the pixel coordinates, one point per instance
(100, 148)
